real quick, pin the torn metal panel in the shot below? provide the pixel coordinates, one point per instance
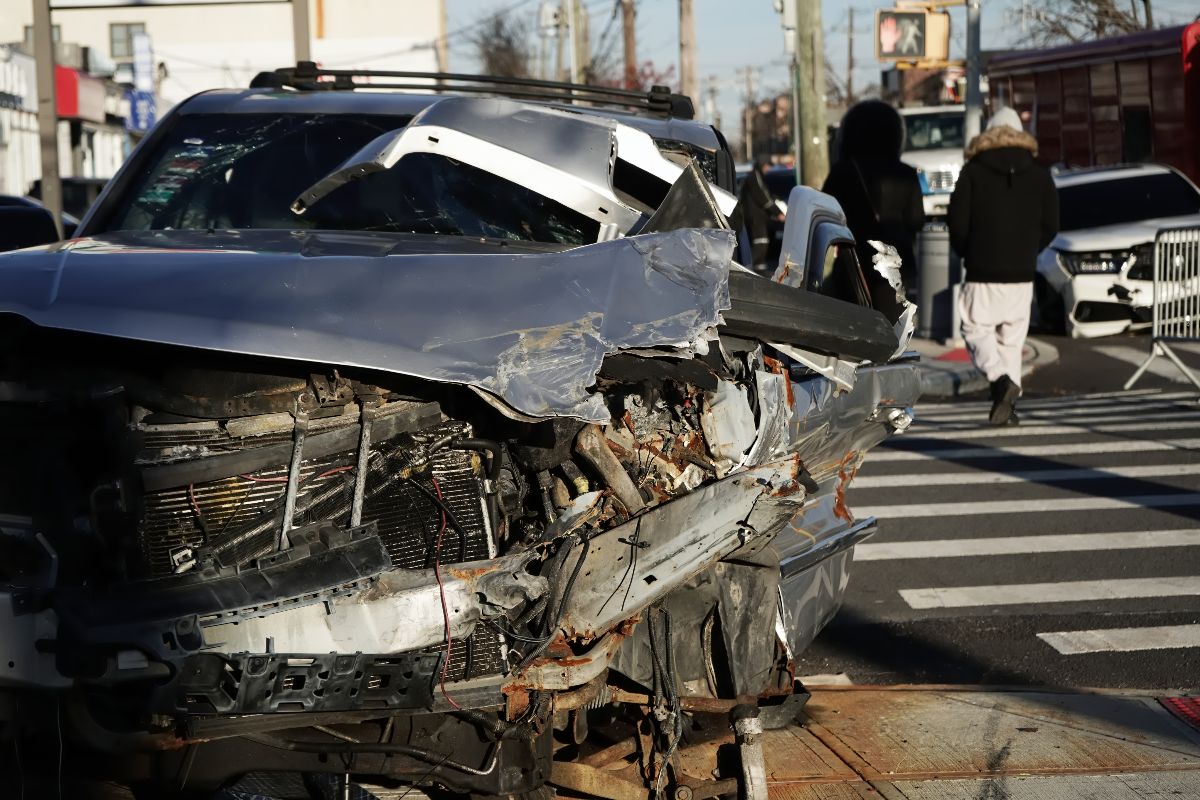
(841, 372)
(534, 334)
(887, 263)
(401, 612)
(826, 425)
(670, 544)
(689, 204)
(724, 644)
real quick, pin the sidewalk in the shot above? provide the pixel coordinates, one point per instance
(947, 371)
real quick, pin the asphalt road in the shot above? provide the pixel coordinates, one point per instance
(1064, 552)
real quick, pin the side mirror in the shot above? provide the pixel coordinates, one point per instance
(24, 226)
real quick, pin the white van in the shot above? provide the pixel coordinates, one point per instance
(934, 146)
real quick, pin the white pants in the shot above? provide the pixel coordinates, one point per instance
(995, 320)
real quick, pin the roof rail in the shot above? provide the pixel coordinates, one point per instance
(307, 76)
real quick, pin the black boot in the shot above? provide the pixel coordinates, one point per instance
(1004, 398)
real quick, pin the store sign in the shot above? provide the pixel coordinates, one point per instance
(143, 110)
(79, 96)
(143, 63)
(56, 4)
(18, 80)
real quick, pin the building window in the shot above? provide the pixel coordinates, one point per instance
(55, 33)
(120, 37)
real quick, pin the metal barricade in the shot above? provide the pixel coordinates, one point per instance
(1176, 309)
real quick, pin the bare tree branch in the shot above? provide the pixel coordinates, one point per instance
(1050, 22)
(502, 44)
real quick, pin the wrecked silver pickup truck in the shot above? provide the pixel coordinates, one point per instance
(403, 437)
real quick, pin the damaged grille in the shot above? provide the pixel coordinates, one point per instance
(228, 517)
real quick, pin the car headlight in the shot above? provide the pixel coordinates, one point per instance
(1092, 263)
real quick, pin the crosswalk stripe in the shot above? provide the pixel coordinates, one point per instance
(1141, 410)
(979, 477)
(980, 507)
(1119, 400)
(1161, 367)
(1022, 545)
(1061, 592)
(1078, 399)
(1076, 449)
(1123, 640)
(1047, 428)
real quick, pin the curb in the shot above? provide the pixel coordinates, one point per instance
(953, 379)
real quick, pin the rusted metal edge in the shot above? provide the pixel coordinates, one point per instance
(997, 689)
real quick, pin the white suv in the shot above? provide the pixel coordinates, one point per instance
(1096, 277)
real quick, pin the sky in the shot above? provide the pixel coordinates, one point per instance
(733, 34)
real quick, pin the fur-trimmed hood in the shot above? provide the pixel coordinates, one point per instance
(999, 137)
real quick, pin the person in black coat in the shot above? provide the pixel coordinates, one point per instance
(758, 210)
(1004, 211)
(880, 194)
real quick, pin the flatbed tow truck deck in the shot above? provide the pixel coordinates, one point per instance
(983, 743)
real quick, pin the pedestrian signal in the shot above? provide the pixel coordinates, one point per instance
(911, 35)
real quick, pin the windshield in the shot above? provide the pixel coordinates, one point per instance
(1123, 200)
(240, 171)
(934, 131)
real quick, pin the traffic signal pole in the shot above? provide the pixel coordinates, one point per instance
(974, 98)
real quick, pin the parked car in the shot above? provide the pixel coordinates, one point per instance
(385, 434)
(1096, 277)
(78, 194)
(69, 222)
(934, 143)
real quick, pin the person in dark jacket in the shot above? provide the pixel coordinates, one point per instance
(1004, 211)
(758, 209)
(880, 194)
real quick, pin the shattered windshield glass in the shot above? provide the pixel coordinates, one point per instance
(240, 171)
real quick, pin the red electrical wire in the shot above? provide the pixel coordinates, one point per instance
(257, 479)
(283, 478)
(437, 573)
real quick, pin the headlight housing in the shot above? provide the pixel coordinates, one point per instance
(1110, 262)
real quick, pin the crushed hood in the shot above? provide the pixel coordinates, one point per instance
(529, 328)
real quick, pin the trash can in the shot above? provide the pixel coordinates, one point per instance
(937, 271)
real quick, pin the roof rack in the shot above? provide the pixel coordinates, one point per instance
(307, 76)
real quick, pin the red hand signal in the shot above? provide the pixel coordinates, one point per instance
(889, 35)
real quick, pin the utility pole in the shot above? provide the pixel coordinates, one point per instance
(47, 113)
(560, 42)
(687, 49)
(713, 113)
(1149, 14)
(813, 157)
(301, 35)
(583, 40)
(441, 46)
(974, 114)
(850, 60)
(748, 73)
(629, 28)
(574, 17)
